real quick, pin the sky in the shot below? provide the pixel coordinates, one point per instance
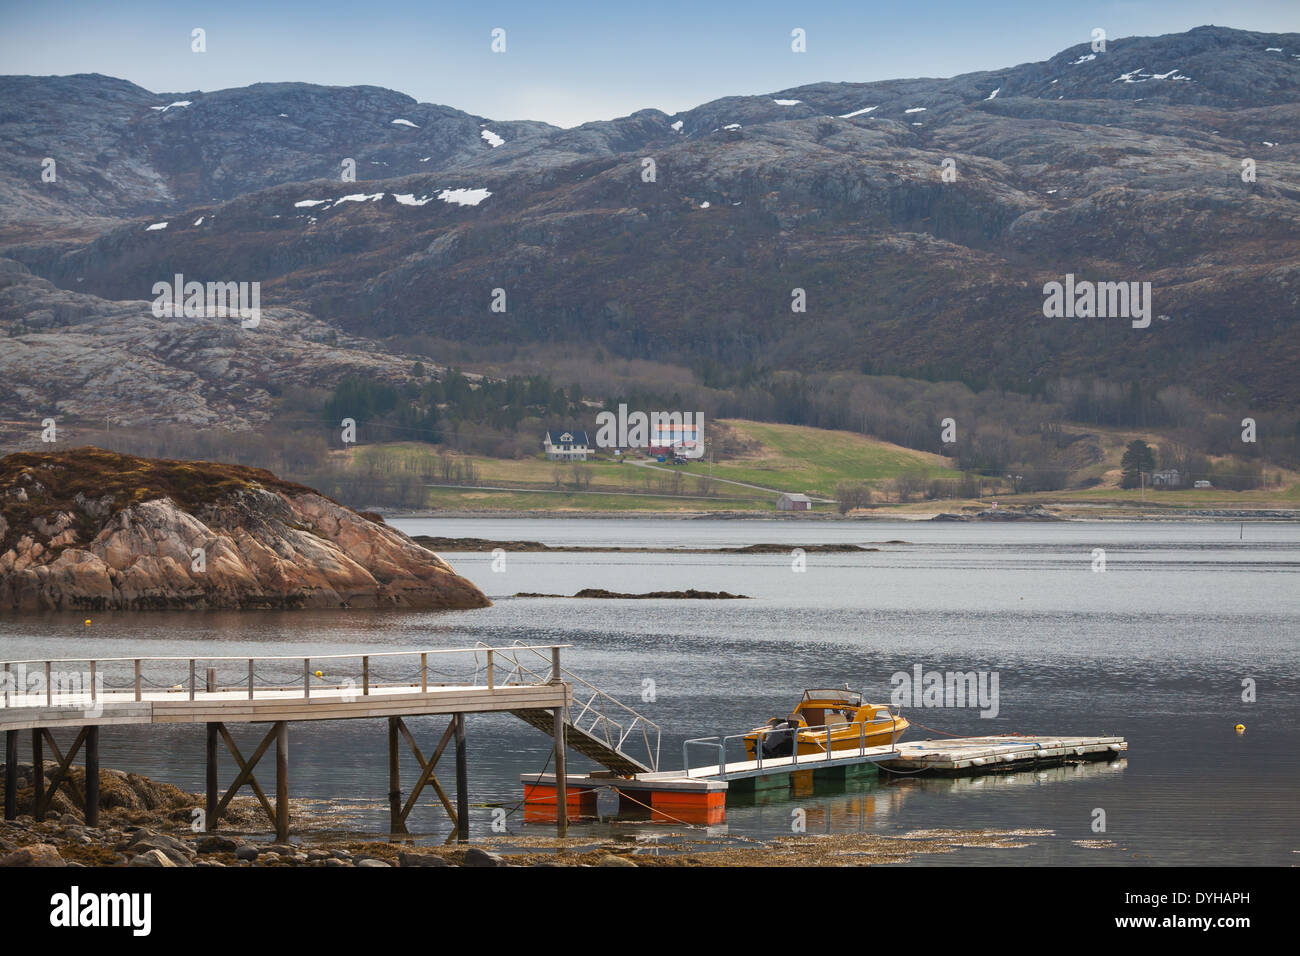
(568, 61)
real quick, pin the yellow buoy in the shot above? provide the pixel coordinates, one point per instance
(1240, 728)
(319, 674)
(87, 622)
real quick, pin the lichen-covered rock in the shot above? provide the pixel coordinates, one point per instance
(35, 854)
(153, 858)
(198, 535)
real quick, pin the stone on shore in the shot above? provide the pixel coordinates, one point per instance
(477, 857)
(152, 858)
(37, 854)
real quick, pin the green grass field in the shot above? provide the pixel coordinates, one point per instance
(1191, 498)
(815, 460)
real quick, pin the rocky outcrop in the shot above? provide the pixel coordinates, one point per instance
(95, 530)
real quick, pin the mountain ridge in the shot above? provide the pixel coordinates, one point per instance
(1131, 174)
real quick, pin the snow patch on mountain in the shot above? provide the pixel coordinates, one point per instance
(464, 197)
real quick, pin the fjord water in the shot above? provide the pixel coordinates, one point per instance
(1155, 648)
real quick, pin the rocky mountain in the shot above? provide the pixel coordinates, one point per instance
(123, 151)
(1123, 165)
(94, 530)
(88, 359)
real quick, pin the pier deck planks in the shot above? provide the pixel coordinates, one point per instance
(26, 712)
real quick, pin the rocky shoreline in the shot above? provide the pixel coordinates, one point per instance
(489, 544)
(688, 595)
(1001, 514)
(148, 824)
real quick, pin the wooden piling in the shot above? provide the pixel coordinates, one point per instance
(561, 775)
(462, 782)
(395, 824)
(210, 807)
(92, 776)
(38, 773)
(11, 774)
(282, 781)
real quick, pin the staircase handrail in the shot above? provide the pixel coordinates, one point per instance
(615, 733)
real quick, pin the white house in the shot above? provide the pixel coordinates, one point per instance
(563, 444)
(789, 502)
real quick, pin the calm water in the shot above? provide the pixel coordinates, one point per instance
(1155, 649)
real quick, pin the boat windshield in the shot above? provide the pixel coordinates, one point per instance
(848, 697)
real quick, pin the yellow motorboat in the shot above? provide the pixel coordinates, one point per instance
(840, 717)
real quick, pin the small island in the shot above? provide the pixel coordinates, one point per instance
(89, 529)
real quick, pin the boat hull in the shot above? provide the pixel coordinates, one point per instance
(851, 737)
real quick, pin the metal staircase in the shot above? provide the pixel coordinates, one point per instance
(597, 726)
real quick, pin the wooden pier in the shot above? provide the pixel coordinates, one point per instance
(43, 696)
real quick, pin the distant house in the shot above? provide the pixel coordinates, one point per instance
(789, 502)
(566, 444)
(1202, 484)
(667, 438)
(1171, 478)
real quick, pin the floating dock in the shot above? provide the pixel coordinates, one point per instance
(700, 794)
(970, 755)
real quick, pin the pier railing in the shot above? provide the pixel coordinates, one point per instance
(593, 711)
(828, 748)
(55, 681)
